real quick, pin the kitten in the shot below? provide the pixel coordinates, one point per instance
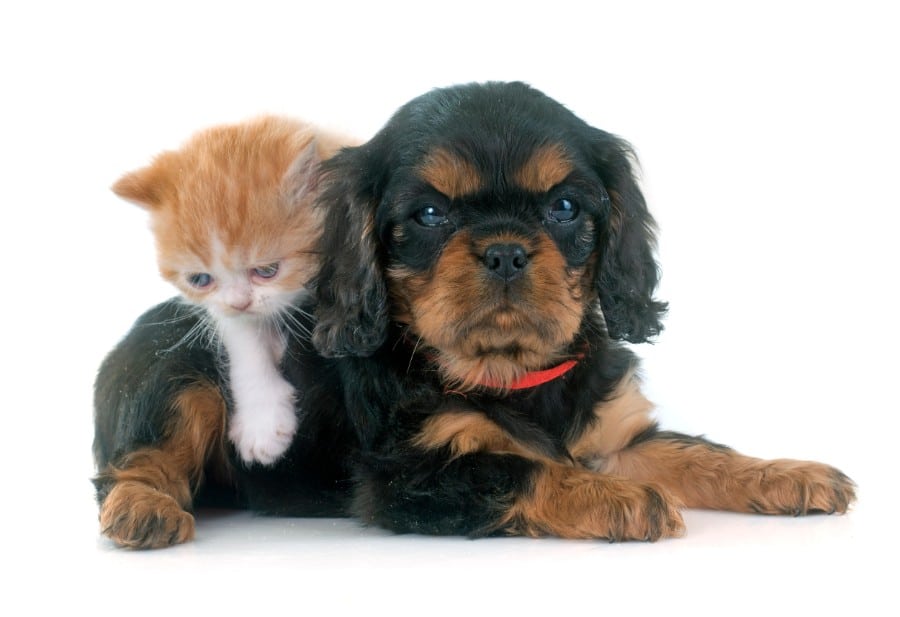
(232, 215)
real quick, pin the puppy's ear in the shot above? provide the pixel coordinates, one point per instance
(351, 311)
(627, 274)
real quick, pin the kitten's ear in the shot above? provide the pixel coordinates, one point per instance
(146, 187)
(302, 178)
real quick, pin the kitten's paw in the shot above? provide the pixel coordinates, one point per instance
(264, 429)
(135, 515)
(799, 487)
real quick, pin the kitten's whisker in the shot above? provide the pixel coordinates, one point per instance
(299, 310)
(293, 324)
(190, 311)
(203, 331)
(413, 354)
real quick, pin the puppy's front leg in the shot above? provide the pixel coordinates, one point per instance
(574, 503)
(466, 475)
(706, 475)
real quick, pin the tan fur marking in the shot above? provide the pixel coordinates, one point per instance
(718, 478)
(147, 506)
(546, 168)
(450, 174)
(466, 432)
(573, 503)
(617, 422)
(198, 435)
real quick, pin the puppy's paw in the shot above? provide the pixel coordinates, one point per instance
(262, 428)
(572, 503)
(797, 488)
(138, 516)
(639, 512)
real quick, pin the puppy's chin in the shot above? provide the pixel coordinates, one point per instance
(483, 331)
(494, 357)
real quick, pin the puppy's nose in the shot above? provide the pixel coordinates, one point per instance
(506, 261)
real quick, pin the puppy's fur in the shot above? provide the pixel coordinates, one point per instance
(483, 235)
(161, 402)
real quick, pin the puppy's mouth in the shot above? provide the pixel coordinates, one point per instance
(505, 327)
(498, 349)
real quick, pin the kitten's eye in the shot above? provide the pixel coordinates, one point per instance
(199, 280)
(431, 216)
(563, 211)
(267, 271)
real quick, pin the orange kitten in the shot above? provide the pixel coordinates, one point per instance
(231, 213)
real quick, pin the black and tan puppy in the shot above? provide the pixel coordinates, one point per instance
(485, 254)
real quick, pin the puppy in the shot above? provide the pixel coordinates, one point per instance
(486, 254)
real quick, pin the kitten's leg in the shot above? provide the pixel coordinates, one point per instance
(706, 475)
(264, 421)
(146, 494)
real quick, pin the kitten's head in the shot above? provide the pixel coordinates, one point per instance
(232, 214)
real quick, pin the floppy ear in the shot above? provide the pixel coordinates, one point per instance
(351, 312)
(628, 274)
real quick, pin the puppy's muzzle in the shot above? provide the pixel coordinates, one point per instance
(506, 261)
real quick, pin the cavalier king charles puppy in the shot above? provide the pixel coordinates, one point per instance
(482, 259)
(485, 255)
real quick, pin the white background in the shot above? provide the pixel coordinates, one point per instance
(768, 135)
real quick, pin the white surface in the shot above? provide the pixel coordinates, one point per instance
(768, 137)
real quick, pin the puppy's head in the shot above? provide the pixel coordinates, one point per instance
(491, 222)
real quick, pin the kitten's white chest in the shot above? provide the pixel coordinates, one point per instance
(264, 420)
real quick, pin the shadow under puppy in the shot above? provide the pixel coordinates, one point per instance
(484, 255)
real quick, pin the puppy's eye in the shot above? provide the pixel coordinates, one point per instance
(430, 216)
(199, 280)
(563, 210)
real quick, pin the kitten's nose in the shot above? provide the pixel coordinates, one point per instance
(240, 304)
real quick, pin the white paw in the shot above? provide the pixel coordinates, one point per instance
(262, 427)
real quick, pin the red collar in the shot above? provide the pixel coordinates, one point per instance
(531, 379)
(535, 378)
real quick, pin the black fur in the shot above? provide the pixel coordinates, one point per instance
(133, 405)
(142, 375)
